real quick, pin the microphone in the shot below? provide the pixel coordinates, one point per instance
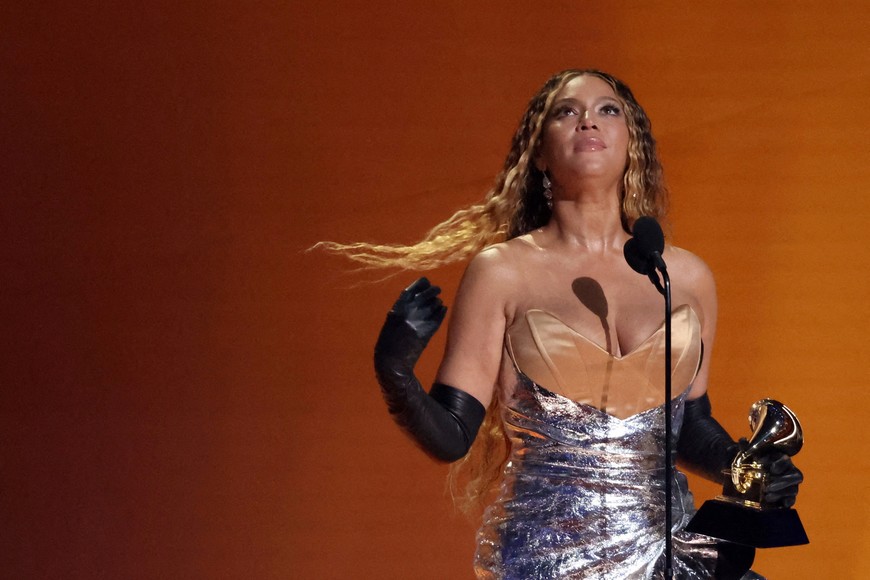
(643, 252)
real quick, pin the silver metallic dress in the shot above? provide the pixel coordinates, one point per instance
(582, 494)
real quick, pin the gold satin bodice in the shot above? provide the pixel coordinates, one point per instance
(563, 361)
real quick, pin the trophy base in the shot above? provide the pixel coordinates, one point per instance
(749, 526)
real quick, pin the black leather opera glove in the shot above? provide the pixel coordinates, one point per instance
(444, 422)
(708, 449)
(704, 445)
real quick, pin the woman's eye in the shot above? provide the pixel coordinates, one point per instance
(610, 110)
(566, 112)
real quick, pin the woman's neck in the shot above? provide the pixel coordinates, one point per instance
(591, 220)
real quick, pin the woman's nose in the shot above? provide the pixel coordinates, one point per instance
(586, 121)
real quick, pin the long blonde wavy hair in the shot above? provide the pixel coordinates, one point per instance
(514, 206)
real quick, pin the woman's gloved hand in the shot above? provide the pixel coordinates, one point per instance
(783, 478)
(708, 449)
(410, 324)
(445, 421)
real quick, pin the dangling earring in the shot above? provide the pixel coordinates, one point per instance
(548, 194)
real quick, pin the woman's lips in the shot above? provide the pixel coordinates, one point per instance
(589, 144)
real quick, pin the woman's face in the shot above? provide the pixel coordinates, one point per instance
(585, 135)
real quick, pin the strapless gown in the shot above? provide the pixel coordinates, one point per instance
(582, 493)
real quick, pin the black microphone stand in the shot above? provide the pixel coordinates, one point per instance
(643, 252)
(669, 466)
(659, 265)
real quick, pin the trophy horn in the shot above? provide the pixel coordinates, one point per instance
(774, 428)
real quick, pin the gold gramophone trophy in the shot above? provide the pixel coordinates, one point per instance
(740, 514)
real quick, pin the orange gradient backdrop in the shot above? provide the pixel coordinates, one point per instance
(186, 394)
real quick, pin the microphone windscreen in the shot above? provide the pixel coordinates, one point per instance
(637, 262)
(649, 236)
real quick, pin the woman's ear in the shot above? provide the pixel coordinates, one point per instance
(538, 160)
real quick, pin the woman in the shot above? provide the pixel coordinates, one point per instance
(563, 342)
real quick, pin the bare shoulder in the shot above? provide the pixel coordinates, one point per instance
(498, 264)
(493, 260)
(690, 268)
(495, 278)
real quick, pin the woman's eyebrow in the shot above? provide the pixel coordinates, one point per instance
(597, 100)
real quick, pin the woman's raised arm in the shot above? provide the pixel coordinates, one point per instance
(445, 421)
